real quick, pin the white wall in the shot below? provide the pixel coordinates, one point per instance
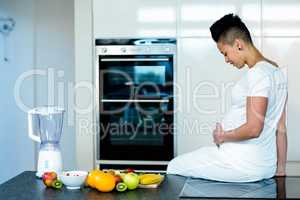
(43, 38)
(16, 150)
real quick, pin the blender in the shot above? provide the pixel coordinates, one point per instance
(45, 127)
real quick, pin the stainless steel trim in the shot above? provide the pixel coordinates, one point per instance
(135, 100)
(133, 162)
(95, 93)
(97, 110)
(133, 59)
(175, 81)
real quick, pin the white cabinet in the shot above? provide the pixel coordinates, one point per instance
(284, 51)
(195, 17)
(281, 43)
(134, 18)
(281, 18)
(204, 83)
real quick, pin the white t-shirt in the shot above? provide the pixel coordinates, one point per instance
(262, 80)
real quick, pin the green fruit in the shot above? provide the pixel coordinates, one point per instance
(57, 184)
(121, 187)
(131, 180)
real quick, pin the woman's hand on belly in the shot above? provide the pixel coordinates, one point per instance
(218, 134)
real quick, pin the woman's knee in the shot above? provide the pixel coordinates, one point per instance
(173, 166)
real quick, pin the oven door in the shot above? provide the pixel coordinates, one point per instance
(136, 108)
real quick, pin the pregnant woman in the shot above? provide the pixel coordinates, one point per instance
(251, 139)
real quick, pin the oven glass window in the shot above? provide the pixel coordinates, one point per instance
(136, 123)
(122, 79)
(151, 74)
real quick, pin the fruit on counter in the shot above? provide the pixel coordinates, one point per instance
(122, 176)
(92, 177)
(147, 179)
(110, 171)
(116, 174)
(121, 187)
(57, 184)
(49, 178)
(118, 178)
(104, 182)
(113, 171)
(131, 180)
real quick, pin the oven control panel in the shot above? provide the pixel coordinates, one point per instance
(136, 49)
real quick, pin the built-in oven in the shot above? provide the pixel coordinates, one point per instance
(135, 105)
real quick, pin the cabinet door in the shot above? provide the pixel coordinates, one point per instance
(195, 17)
(203, 88)
(281, 18)
(282, 42)
(284, 51)
(134, 18)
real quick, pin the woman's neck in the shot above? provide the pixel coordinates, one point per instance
(254, 56)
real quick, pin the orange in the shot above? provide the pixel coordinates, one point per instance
(104, 182)
(92, 176)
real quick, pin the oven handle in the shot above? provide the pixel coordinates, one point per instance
(132, 59)
(135, 100)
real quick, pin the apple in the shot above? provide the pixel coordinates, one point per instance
(131, 180)
(49, 178)
(118, 178)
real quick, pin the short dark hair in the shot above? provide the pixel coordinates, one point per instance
(228, 28)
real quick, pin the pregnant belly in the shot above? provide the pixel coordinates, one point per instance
(234, 119)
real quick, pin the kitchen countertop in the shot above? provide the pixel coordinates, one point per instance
(27, 186)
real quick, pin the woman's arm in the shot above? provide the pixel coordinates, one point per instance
(281, 141)
(256, 111)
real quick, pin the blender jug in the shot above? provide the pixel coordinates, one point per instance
(45, 126)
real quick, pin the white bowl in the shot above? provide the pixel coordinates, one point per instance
(73, 179)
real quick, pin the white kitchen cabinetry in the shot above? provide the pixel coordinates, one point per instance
(204, 83)
(55, 19)
(84, 72)
(134, 18)
(195, 17)
(281, 42)
(281, 18)
(203, 79)
(284, 51)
